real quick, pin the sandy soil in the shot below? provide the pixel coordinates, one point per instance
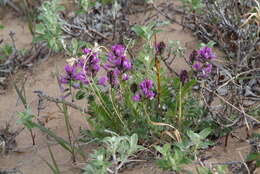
(28, 159)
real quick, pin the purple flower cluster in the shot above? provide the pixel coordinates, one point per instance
(184, 77)
(79, 70)
(145, 91)
(116, 66)
(201, 61)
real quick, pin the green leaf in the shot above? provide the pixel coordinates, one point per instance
(59, 140)
(205, 132)
(2, 27)
(80, 95)
(25, 118)
(253, 156)
(40, 29)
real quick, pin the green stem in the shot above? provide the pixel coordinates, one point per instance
(180, 105)
(68, 128)
(114, 107)
(103, 104)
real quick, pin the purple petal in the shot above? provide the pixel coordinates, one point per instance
(102, 81)
(196, 66)
(136, 97)
(125, 77)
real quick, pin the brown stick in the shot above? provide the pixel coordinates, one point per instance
(57, 100)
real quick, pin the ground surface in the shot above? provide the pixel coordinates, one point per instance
(28, 159)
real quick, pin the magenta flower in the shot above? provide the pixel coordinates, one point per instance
(117, 65)
(149, 95)
(86, 51)
(184, 77)
(102, 81)
(197, 66)
(206, 70)
(145, 90)
(78, 73)
(201, 61)
(136, 97)
(113, 77)
(146, 84)
(118, 50)
(206, 53)
(125, 77)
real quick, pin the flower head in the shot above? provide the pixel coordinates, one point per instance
(145, 90)
(102, 81)
(201, 61)
(117, 65)
(197, 66)
(146, 84)
(118, 50)
(125, 77)
(77, 71)
(184, 76)
(205, 53)
(136, 97)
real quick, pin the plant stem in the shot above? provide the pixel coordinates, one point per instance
(115, 109)
(33, 137)
(180, 106)
(68, 128)
(157, 65)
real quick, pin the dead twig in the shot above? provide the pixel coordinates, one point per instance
(57, 100)
(236, 108)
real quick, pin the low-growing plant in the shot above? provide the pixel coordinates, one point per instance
(194, 142)
(118, 151)
(214, 170)
(171, 159)
(193, 5)
(25, 118)
(183, 152)
(5, 51)
(53, 164)
(83, 5)
(49, 28)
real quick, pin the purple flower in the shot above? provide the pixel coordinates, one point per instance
(201, 61)
(184, 76)
(117, 59)
(113, 77)
(116, 65)
(86, 51)
(90, 63)
(118, 50)
(136, 97)
(206, 70)
(145, 87)
(125, 77)
(70, 70)
(102, 81)
(126, 64)
(149, 95)
(83, 68)
(206, 53)
(197, 66)
(146, 84)
(144, 91)
(63, 80)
